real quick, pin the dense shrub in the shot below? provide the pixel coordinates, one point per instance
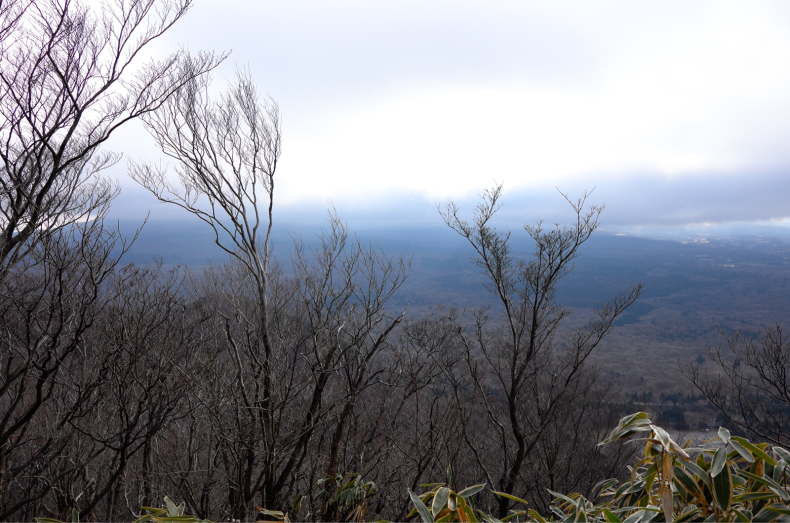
(727, 479)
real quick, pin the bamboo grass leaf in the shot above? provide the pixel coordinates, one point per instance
(421, 508)
(512, 497)
(719, 462)
(440, 500)
(471, 491)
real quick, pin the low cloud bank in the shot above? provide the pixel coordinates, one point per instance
(639, 202)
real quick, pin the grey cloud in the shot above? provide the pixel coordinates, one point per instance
(305, 51)
(636, 200)
(713, 198)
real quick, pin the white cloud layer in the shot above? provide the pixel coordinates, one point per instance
(438, 98)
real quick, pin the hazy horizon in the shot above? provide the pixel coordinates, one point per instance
(676, 113)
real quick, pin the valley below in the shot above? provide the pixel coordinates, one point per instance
(697, 290)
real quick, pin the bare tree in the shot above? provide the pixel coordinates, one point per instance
(751, 388)
(48, 305)
(67, 83)
(568, 457)
(523, 382)
(69, 78)
(227, 153)
(422, 417)
(288, 335)
(138, 363)
(11, 12)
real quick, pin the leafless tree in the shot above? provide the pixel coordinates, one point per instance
(227, 154)
(288, 335)
(48, 303)
(245, 386)
(126, 383)
(523, 381)
(422, 416)
(68, 81)
(404, 428)
(138, 363)
(568, 457)
(751, 388)
(70, 76)
(11, 12)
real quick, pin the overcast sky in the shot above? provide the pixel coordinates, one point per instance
(678, 112)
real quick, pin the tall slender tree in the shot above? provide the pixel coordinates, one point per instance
(523, 381)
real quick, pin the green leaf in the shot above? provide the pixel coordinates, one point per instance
(624, 433)
(440, 500)
(699, 472)
(155, 510)
(610, 516)
(696, 449)
(781, 492)
(629, 425)
(662, 435)
(603, 486)
(741, 516)
(636, 418)
(555, 494)
(754, 449)
(580, 508)
(722, 488)
(471, 491)
(724, 435)
(635, 517)
(172, 509)
(768, 482)
(682, 478)
(779, 508)
(719, 462)
(689, 515)
(764, 515)
(154, 513)
(678, 450)
(650, 476)
(752, 496)
(421, 508)
(470, 515)
(743, 451)
(536, 516)
(514, 498)
(637, 486)
(783, 454)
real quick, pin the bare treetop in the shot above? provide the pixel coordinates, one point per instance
(226, 150)
(68, 80)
